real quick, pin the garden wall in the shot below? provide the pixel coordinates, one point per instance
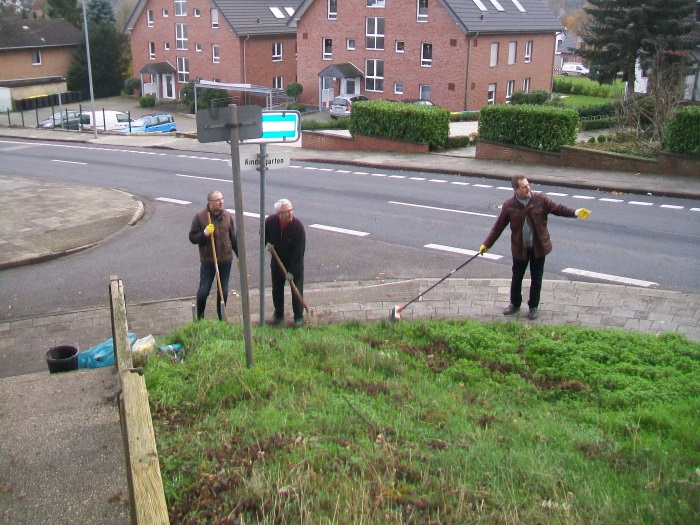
(574, 157)
(331, 142)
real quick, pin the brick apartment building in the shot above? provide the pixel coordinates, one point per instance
(174, 42)
(460, 54)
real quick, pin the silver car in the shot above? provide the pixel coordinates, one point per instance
(340, 106)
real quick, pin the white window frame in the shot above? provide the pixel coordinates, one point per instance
(528, 51)
(424, 91)
(215, 53)
(36, 57)
(214, 13)
(372, 24)
(198, 48)
(277, 52)
(512, 52)
(180, 8)
(332, 9)
(149, 17)
(183, 70)
(422, 11)
(196, 12)
(350, 44)
(375, 3)
(491, 95)
(327, 48)
(400, 46)
(377, 80)
(181, 43)
(493, 62)
(152, 50)
(165, 13)
(278, 82)
(510, 88)
(398, 88)
(426, 54)
(166, 46)
(526, 85)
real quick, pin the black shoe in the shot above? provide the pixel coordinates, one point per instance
(511, 310)
(534, 313)
(299, 322)
(274, 321)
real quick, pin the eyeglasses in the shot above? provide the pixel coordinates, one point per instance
(217, 200)
(290, 210)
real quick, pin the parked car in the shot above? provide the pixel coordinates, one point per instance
(419, 101)
(106, 120)
(574, 70)
(160, 123)
(66, 119)
(340, 106)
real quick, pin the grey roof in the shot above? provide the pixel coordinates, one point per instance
(345, 70)
(569, 44)
(536, 17)
(39, 33)
(158, 68)
(254, 17)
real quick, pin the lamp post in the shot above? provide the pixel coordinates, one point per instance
(89, 64)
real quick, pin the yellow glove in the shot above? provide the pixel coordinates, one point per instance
(209, 229)
(483, 249)
(583, 213)
(238, 263)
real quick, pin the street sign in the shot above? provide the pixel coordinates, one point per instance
(279, 126)
(215, 124)
(273, 161)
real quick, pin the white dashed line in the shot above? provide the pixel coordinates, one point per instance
(507, 188)
(416, 178)
(613, 278)
(555, 194)
(672, 207)
(360, 173)
(605, 199)
(339, 230)
(173, 201)
(460, 183)
(585, 197)
(442, 209)
(245, 213)
(694, 209)
(202, 178)
(437, 180)
(69, 162)
(482, 186)
(640, 203)
(397, 176)
(378, 174)
(462, 251)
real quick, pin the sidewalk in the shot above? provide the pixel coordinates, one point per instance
(60, 454)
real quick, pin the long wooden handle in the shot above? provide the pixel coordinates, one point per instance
(294, 286)
(216, 267)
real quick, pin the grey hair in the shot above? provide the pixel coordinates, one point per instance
(280, 203)
(211, 194)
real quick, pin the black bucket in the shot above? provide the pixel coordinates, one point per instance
(62, 358)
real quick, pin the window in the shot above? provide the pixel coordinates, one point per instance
(491, 97)
(374, 75)
(152, 50)
(198, 48)
(526, 85)
(214, 18)
(510, 87)
(332, 9)
(36, 58)
(512, 49)
(375, 33)
(494, 54)
(278, 83)
(528, 51)
(426, 55)
(398, 88)
(424, 92)
(422, 14)
(165, 13)
(149, 17)
(180, 7)
(327, 49)
(375, 3)
(183, 70)
(181, 36)
(195, 12)
(166, 45)
(400, 46)
(277, 52)
(350, 44)
(215, 57)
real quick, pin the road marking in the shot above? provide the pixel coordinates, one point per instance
(397, 176)
(173, 201)
(694, 209)
(640, 203)
(245, 213)
(613, 278)
(482, 186)
(326, 169)
(437, 180)
(461, 251)
(507, 188)
(555, 194)
(378, 174)
(360, 173)
(605, 199)
(443, 209)
(69, 162)
(344, 171)
(460, 183)
(202, 178)
(416, 178)
(672, 207)
(339, 230)
(586, 197)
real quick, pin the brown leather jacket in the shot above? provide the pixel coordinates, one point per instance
(537, 210)
(224, 237)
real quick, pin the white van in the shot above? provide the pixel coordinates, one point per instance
(106, 120)
(574, 70)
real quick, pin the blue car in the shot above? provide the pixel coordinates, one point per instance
(161, 123)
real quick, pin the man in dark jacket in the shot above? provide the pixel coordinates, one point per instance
(222, 229)
(527, 212)
(286, 234)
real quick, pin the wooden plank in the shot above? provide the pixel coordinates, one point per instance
(147, 491)
(120, 327)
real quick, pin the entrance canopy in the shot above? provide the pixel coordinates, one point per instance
(345, 70)
(158, 68)
(275, 97)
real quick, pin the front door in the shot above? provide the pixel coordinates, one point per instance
(168, 87)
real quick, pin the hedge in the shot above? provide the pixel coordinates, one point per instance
(681, 132)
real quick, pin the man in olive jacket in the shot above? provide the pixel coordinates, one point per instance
(527, 212)
(223, 231)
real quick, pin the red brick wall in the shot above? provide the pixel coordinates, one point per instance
(585, 158)
(329, 142)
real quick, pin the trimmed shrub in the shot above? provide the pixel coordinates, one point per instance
(536, 96)
(147, 101)
(295, 106)
(608, 109)
(461, 141)
(591, 140)
(131, 85)
(310, 124)
(294, 89)
(681, 132)
(602, 138)
(464, 116)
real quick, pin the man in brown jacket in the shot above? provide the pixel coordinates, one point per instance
(222, 229)
(527, 212)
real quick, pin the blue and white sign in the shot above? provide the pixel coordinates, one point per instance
(279, 126)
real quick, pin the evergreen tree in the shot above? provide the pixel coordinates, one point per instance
(618, 32)
(69, 10)
(99, 12)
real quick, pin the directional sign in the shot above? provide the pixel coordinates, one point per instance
(279, 126)
(272, 162)
(214, 124)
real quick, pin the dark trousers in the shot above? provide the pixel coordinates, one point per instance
(207, 274)
(516, 284)
(278, 280)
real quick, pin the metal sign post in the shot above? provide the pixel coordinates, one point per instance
(262, 156)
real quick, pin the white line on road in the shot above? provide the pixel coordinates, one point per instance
(378, 174)
(173, 201)
(69, 162)
(245, 213)
(462, 251)
(605, 199)
(640, 203)
(437, 180)
(416, 178)
(694, 209)
(202, 178)
(612, 278)
(555, 194)
(360, 173)
(582, 197)
(483, 186)
(397, 176)
(507, 188)
(339, 230)
(442, 209)
(672, 207)
(460, 183)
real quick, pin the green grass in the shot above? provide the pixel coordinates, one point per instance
(583, 100)
(442, 422)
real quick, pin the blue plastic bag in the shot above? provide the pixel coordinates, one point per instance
(100, 355)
